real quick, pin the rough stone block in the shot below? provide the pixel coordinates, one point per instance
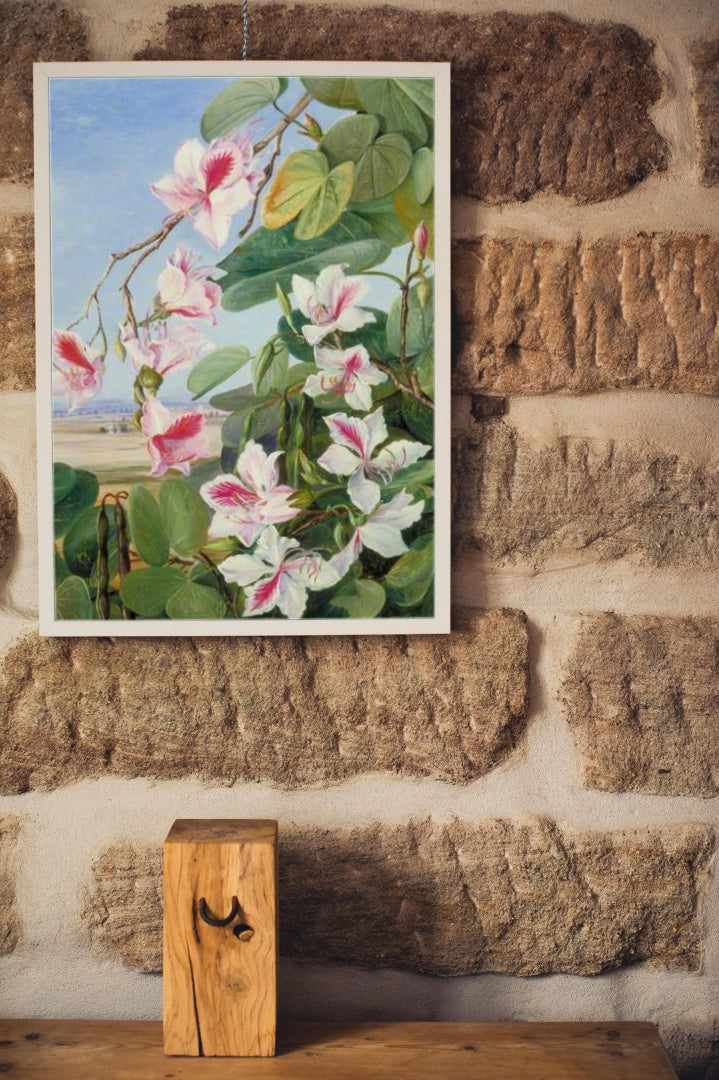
(519, 500)
(705, 63)
(30, 33)
(9, 918)
(538, 317)
(8, 520)
(289, 710)
(522, 897)
(642, 698)
(540, 102)
(17, 303)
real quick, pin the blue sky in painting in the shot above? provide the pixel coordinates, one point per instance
(110, 138)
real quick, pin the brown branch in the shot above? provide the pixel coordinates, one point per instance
(288, 118)
(151, 244)
(413, 390)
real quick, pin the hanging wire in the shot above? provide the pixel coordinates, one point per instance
(244, 28)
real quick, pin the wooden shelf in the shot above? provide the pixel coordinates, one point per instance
(119, 1050)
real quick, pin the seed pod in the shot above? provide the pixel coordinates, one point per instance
(283, 300)
(137, 419)
(423, 292)
(283, 432)
(123, 542)
(103, 573)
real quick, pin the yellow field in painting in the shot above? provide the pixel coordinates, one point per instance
(112, 449)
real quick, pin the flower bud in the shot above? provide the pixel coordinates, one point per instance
(313, 128)
(423, 292)
(421, 239)
(149, 379)
(283, 300)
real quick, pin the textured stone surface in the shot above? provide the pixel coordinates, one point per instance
(540, 102)
(705, 61)
(293, 711)
(642, 697)
(17, 303)
(520, 500)
(521, 897)
(9, 918)
(30, 33)
(533, 318)
(8, 520)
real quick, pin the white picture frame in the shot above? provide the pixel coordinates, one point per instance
(60, 91)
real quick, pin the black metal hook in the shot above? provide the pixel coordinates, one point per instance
(206, 917)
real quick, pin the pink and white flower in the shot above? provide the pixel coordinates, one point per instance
(330, 304)
(381, 532)
(348, 372)
(77, 368)
(184, 288)
(173, 442)
(247, 503)
(352, 454)
(278, 574)
(165, 347)
(210, 184)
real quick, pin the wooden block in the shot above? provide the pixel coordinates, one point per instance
(220, 982)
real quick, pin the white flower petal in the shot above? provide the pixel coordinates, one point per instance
(292, 597)
(304, 292)
(384, 539)
(364, 493)
(242, 569)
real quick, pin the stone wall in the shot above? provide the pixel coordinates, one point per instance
(534, 795)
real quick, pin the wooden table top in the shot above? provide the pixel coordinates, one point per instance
(120, 1050)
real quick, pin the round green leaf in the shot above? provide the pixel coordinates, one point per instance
(409, 579)
(326, 206)
(82, 494)
(382, 167)
(387, 99)
(421, 92)
(422, 174)
(63, 480)
(147, 591)
(61, 570)
(297, 180)
(348, 139)
(381, 216)
(339, 93)
(147, 528)
(237, 103)
(217, 366)
(195, 601)
(410, 212)
(184, 516)
(72, 599)
(418, 418)
(424, 366)
(360, 599)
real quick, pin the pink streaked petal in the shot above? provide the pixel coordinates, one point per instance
(350, 431)
(347, 556)
(263, 597)
(186, 426)
(226, 493)
(345, 294)
(257, 469)
(70, 348)
(221, 165)
(176, 194)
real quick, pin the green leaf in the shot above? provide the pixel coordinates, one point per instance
(420, 325)
(421, 92)
(410, 212)
(184, 516)
(272, 249)
(339, 93)
(418, 418)
(298, 179)
(388, 99)
(381, 216)
(237, 103)
(147, 528)
(195, 601)
(217, 366)
(147, 591)
(269, 368)
(79, 547)
(242, 293)
(63, 480)
(424, 366)
(409, 579)
(82, 494)
(326, 207)
(348, 139)
(422, 174)
(72, 599)
(360, 599)
(382, 167)
(61, 570)
(414, 476)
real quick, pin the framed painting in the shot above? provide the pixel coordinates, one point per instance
(243, 348)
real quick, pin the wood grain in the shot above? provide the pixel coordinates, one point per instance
(86, 1050)
(220, 990)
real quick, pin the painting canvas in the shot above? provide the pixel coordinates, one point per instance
(243, 348)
